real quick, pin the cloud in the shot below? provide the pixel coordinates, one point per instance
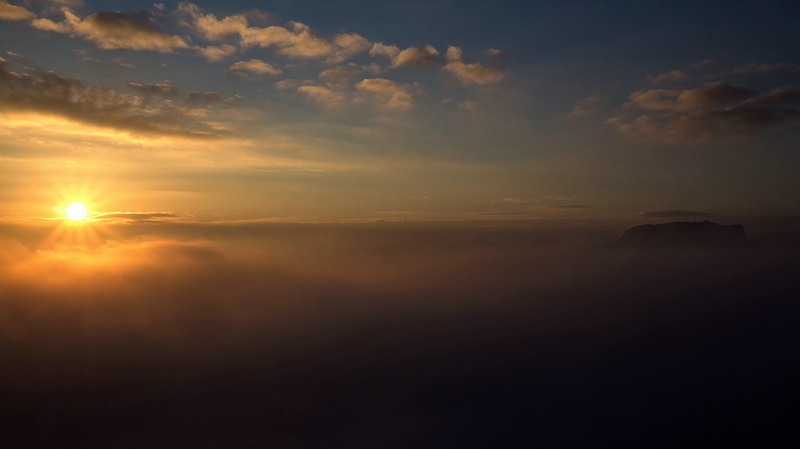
(410, 57)
(164, 89)
(762, 69)
(679, 99)
(470, 106)
(453, 54)
(673, 214)
(566, 206)
(398, 98)
(782, 95)
(474, 73)
(204, 97)
(467, 74)
(703, 63)
(339, 77)
(703, 113)
(54, 6)
(348, 45)
(208, 26)
(53, 95)
(113, 30)
(416, 56)
(674, 75)
(291, 84)
(586, 107)
(12, 12)
(379, 49)
(216, 53)
(294, 41)
(254, 66)
(323, 95)
(120, 62)
(133, 217)
(299, 42)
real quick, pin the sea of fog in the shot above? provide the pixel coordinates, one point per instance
(395, 335)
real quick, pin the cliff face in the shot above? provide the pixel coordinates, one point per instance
(684, 234)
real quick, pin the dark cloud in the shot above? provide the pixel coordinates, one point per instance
(112, 30)
(50, 94)
(673, 214)
(410, 57)
(568, 206)
(204, 97)
(707, 112)
(783, 95)
(673, 75)
(163, 89)
(586, 107)
(702, 64)
(764, 68)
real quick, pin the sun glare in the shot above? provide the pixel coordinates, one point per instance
(76, 211)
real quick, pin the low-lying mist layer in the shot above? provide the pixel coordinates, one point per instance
(391, 336)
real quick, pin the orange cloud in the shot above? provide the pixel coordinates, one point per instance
(208, 26)
(50, 94)
(704, 113)
(410, 57)
(113, 30)
(299, 42)
(398, 97)
(467, 74)
(255, 67)
(323, 95)
(216, 53)
(13, 12)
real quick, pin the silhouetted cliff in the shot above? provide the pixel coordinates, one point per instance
(683, 234)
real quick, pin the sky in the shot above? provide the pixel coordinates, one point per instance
(399, 224)
(410, 110)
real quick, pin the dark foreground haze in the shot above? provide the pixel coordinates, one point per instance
(397, 335)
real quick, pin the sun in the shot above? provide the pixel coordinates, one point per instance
(76, 211)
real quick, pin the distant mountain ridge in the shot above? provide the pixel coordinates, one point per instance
(684, 234)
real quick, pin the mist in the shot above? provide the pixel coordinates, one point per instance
(392, 335)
